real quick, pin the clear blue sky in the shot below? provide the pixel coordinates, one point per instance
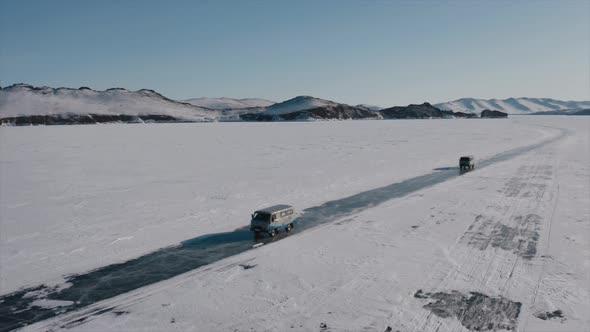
(378, 52)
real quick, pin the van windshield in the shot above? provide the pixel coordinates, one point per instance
(261, 216)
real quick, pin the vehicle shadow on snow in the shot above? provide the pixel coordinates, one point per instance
(459, 170)
(18, 309)
(445, 168)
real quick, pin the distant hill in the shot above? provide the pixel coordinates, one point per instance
(310, 108)
(421, 111)
(299, 103)
(512, 105)
(224, 103)
(24, 104)
(585, 111)
(493, 114)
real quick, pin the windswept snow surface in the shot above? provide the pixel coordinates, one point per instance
(225, 103)
(25, 100)
(511, 235)
(511, 105)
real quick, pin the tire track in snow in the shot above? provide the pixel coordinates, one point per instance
(502, 240)
(545, 251)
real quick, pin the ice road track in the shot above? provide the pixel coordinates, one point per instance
(18, 309)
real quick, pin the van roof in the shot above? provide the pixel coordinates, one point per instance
(275, 208)
(467, 156)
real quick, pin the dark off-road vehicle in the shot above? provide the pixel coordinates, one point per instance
(466, 162)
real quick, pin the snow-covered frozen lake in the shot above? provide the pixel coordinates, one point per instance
(77, 198)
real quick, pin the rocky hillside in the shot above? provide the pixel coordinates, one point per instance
(304, 108)
(493, 114)
(422, 111)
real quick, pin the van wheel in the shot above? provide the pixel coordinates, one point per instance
(289, 227)
(272, 233)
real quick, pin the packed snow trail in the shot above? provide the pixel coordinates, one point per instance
(17, 309)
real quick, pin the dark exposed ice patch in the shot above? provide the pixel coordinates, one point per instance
(421, 295)
(521, 237)
(550, 315)
(475, 311)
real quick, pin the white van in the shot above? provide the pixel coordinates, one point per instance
(272, 219)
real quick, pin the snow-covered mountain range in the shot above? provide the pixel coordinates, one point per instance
(224, 103)
(512, 105)
(23, 104)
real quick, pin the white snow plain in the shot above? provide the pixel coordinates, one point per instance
(74, 198)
